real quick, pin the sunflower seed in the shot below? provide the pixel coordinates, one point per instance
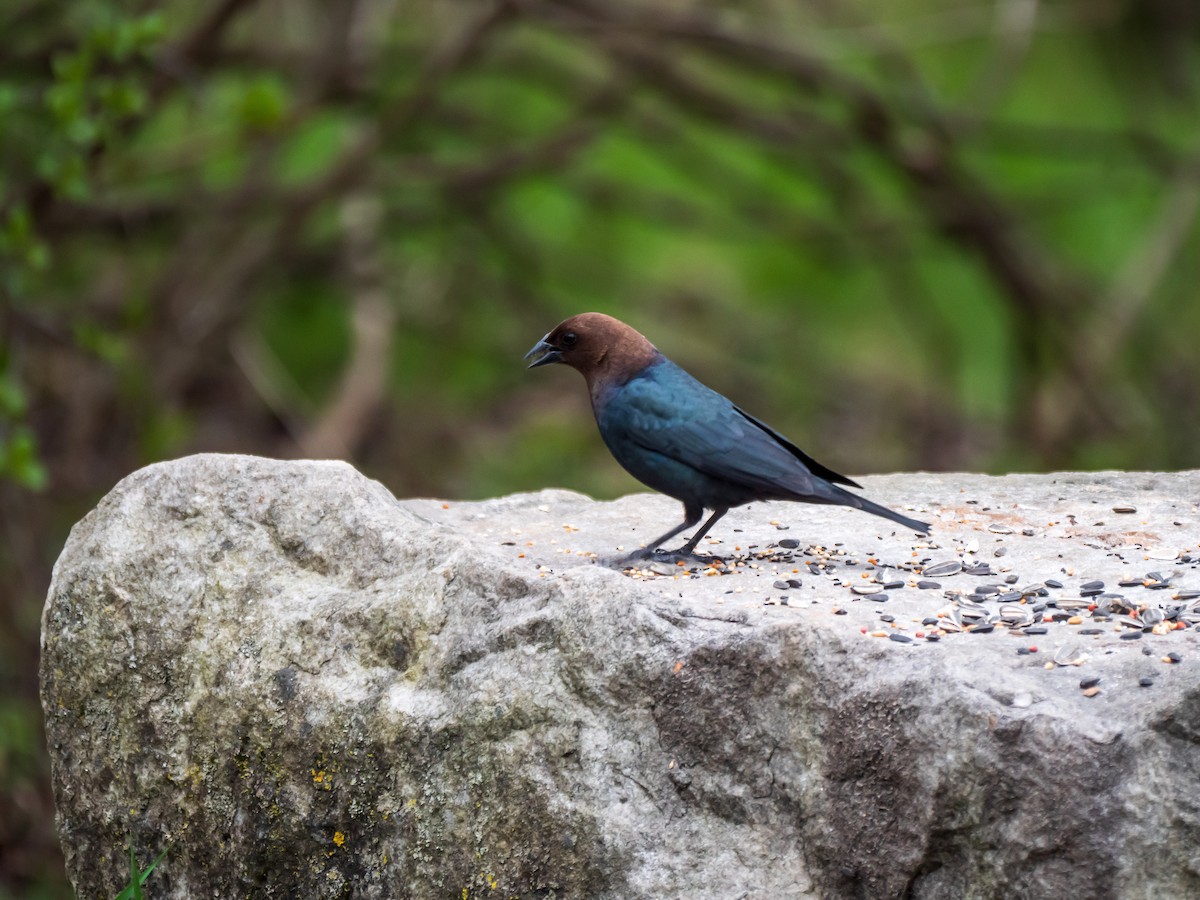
(1072, 603)
(937, 570)
(1069, 656)
(1124, 508)
(1151, 616)
(1053, 583)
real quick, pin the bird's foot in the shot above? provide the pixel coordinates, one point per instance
(645, 558)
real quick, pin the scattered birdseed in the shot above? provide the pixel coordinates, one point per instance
(1131, 635)
(781, 585)
(900, 637)
(1089, 681)
(789, 543)
(1145, 681)
(1124, 508)
(1053, 583)
(929, 585)
(1091, 692)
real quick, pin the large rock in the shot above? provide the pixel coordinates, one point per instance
(305, 688)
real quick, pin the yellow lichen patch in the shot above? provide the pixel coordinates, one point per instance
(339, 838)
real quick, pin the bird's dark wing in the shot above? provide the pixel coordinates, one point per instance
(813, 466)
(668, 412)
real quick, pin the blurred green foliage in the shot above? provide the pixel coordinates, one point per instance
(910, 234)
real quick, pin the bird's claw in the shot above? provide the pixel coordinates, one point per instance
(669, 557)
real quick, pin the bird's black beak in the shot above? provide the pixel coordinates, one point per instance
(543, 353)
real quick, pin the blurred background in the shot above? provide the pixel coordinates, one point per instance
(911, 234)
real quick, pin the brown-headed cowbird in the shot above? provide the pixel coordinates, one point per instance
(684, 439)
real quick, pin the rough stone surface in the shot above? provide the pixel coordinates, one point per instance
(305, 688)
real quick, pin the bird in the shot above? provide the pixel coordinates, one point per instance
(682, 438)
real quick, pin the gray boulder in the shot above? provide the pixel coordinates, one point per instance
(305, 688)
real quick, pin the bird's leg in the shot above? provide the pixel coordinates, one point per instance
(691, 516)
(690, 547)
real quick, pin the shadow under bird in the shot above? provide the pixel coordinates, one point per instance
(684, 439)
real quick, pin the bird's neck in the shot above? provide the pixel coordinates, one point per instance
(605, 380)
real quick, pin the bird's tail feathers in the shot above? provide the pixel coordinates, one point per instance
(870, 506)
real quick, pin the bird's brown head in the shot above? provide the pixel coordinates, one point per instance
(602, 348)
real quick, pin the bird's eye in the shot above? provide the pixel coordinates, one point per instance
(570, 339)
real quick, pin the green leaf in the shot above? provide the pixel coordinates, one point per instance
(148, 30)
(72, 68)
(133, 890)
(20, 460)
(12, 397)
(262, 105)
